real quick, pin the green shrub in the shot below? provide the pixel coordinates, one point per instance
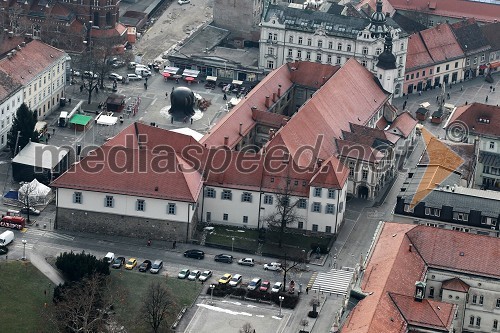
(76, 266)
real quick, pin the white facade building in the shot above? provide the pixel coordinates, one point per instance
(11, 95)
(293, 34)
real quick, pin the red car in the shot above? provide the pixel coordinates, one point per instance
(264, 287)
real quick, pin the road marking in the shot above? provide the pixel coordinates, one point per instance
(59, 236)
(154, 101)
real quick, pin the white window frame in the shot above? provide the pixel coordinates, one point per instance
(172, 208)
(140, 205)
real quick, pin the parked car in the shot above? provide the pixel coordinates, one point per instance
(273, 266)
(246, 262)
(205, 276)
(264, 287)
(254, 284)
(225, 278)
(197, 254)
(277, 287)
(183, 2)
(134, 77)
(183, 274)
(118, 64)
(131, 263)
(194, 275)
(114, 76)
(236, 280)
(156, 267)
(132, 65)
(145, 266)
(227, 258)
(76, 72)
(32, 210)
(90, 74)
(109, 257)
(119, 262)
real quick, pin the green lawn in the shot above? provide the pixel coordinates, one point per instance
(243, 238)
(22, 298)
(134, 286)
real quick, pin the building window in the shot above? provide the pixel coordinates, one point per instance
(432, 211)
(364, 175)
(209, 216)
(348, 47)
(471, 321)
(495, 324)
(245, 219)
(431, 292)
(302, 204)
(309, 42)
(447, 67)
(270, 50)
(339, 47)
(438, 69)
(227, 195)
(364, 51)
(483, 57)
(109, 201)
(270, 64)
(492, 145)
(316, 207)
(330, 209)
(315, 227)
(378, 50)
(319, 57)
(300, 225)
(329, 59)
(320, 43)
(481, 300)
(408, 209)
(474, 299)
(246, 197)
(460, 216)
(140, 205)
(331, 193)
(270, 36)
(290, 39)
(475, 61)
(77, 196)
(290, 53)
(171, 209)
(308, 55)
(330, 45)
(225, 217)
(300, 41)
(299, 54)
(351, 171)
(210, 192)
(328, 229)
(317, 192)
(478, 321)
(497, 305)
(341, 207)
(338, 61)
(268, 199)
(275, 36)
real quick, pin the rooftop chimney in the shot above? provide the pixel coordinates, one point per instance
(226, 141)
(274, 97)
(241, 127)
(267, 102)
(279, 90)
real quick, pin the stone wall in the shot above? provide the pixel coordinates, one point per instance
(239, 17)
(120, 225)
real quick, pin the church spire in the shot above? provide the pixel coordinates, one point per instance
(378, 20)
(386, 59)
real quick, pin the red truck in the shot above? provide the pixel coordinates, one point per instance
(14, 222)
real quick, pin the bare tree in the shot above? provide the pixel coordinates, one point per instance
(84, 306)
(247, 328)
(28, 189)
(287, 265)
(285, 212)
(156, 305)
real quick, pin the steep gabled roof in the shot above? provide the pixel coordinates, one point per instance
(405, 123)
(332, 174)
(470, 36)
(455, 284)
(480, 118)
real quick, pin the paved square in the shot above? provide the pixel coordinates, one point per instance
(228, 316)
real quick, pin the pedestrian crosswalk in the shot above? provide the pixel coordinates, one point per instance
(49, 234)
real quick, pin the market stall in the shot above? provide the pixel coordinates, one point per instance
(211, 82)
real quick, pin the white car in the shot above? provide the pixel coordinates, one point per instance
(114, 76)
(183, 2)
(90, 74)
(274, 266)
(205, 276)
(277, 287)
(134, 77)
(194, 275)
(236, 280)
(109, 257)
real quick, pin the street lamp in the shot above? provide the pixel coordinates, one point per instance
(232, 244)
(24, 248)
(281, 298)
(212, 287)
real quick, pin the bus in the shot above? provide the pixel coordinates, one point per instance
(14, 222)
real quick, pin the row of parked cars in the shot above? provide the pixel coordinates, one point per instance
(153, 267)
(228, 259)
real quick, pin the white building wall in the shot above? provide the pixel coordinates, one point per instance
(124, 205)
(8, 108)
(43, 92)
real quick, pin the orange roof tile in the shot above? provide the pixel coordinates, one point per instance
(270, 119)
(455, 284)
(32, 60)
(332, 174)
(405, 123)
(479, 118)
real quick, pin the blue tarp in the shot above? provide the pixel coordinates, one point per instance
(12, 195)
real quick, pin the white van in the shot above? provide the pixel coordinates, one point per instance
(6, 237)
(142, 71)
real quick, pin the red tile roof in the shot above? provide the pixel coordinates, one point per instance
(270, 119)
(455, 250)
(358, 150)
(152, 177)
(7, 86)
(434, 45)
(332, 174)
(331, 110)
(7, 43)
(428, 313)
(405, 123)
(455, 284)
(374, 132)
(482, 11)
(32, 60)
(474, 116)
(311, 74)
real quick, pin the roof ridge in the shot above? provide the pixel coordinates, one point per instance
(437, 315)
